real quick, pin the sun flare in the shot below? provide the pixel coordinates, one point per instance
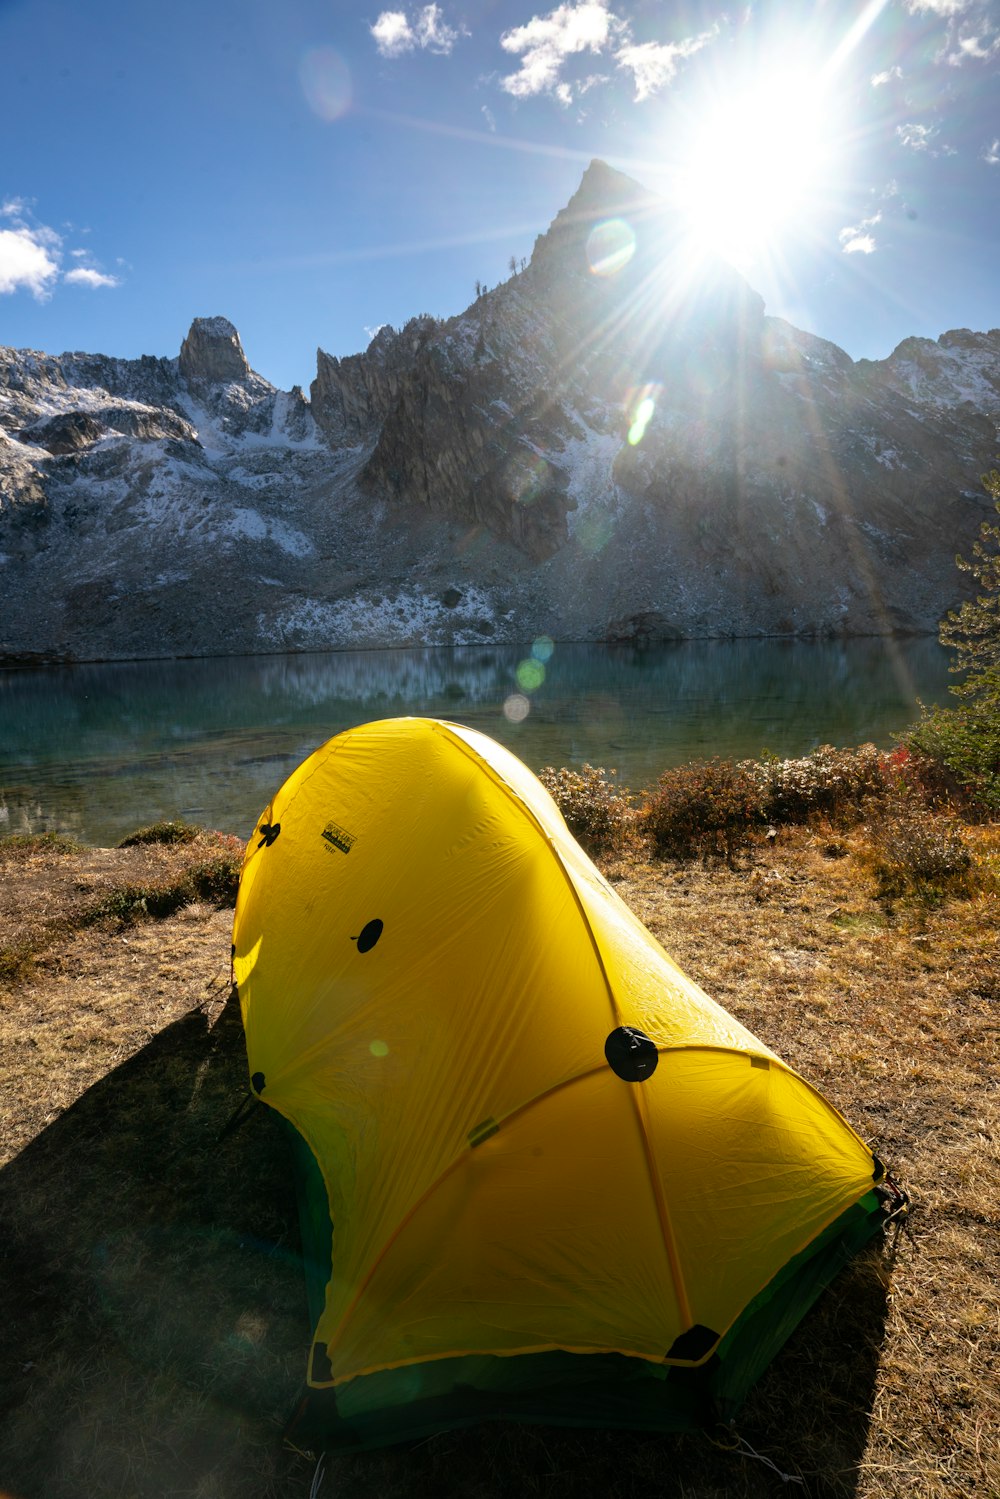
(755, 169)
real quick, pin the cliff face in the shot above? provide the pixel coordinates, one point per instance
(615, 443)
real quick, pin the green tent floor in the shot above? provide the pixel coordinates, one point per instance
(557, 1388)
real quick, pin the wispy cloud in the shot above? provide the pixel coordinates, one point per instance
(922, 138)
(547, 42)
(890, 73)
(83, 275)
(395, 33)
(855, 239)
(654, 64)
(917, 137)
(991, 153)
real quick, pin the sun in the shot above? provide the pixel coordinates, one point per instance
(757, 165)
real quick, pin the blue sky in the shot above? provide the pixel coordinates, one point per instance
(313, 169)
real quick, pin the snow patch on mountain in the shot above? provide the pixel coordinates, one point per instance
(250, 525)
(397, 619)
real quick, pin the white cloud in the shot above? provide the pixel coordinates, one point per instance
(395, 34)
(855, 239)
(977, 48)
(490, 118)
(991, 153)
(82, 275)
(374, 332)
(938, 7)
(546, 41)
(879, 78)
(31, 255)
(654, 64)
(29, 259)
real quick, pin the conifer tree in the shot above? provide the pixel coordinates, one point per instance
(961, 746)
(972, 631)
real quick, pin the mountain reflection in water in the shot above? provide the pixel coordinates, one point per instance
(97, 750)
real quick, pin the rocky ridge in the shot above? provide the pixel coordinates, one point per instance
(606, 446)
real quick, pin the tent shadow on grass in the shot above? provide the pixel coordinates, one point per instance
(155, 1329)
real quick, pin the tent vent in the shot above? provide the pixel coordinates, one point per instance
(760, 1062)
(257, 1082)
(482, 1132)
(369, 935)
(692, 1345)
(631, 1054)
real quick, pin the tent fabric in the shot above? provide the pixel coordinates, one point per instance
(537, 1139)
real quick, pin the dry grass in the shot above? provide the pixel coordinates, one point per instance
(154, 1317)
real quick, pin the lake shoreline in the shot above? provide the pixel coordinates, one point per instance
(30, 660)
(94, 751)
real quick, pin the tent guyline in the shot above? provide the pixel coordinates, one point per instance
(542, 1175)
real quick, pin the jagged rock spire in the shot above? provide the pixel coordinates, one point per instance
(212, 352)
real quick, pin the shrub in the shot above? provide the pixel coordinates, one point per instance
(597, 812)
(215, 880)
(163, 832)
(708, 808)
(917, 852)
(22, 845)
(827, 782)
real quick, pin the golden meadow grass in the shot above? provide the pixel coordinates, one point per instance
(153, 1307)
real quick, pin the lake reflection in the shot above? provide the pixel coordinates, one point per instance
(98, 750)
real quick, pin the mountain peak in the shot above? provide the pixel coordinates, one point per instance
(606, 189)
(212, 352)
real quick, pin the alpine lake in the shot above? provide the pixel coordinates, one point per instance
(96, 751)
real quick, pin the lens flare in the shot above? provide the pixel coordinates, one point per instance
(531, 481)
(543, 647)
(641, 420)
(379, 1049)
(610, 247)
(326, 82)
(530, 675)
(516, 708)
(593, 531)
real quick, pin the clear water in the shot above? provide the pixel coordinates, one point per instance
(98, 750)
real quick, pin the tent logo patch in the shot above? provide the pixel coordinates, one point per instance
(339, 837)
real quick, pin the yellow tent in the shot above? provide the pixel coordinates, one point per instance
(563, 1182)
